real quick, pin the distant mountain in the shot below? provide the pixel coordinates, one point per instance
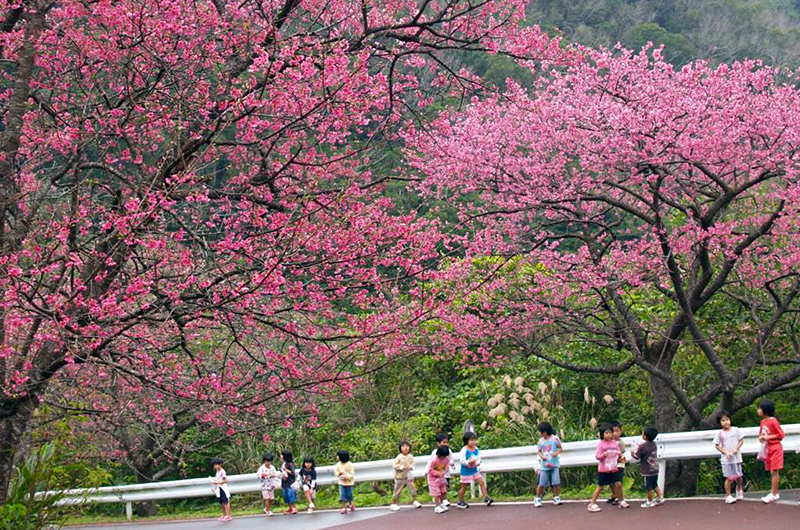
(715, 30)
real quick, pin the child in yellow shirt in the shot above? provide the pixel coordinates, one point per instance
(345, 472)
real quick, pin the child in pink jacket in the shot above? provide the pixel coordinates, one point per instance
(607, 455)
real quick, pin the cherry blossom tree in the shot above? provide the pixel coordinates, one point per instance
(188, 201)
(637, 217)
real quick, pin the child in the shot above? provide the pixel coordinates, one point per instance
(647, 453)
(607, 456)
(268, 476)
(470, 459)
(288, 477)
(617, 495)
(346, 474)
(549, 476)
(403, 467)
(219, 485)
(443, 440)
(308, 478)
(771, 434)
(437, 485)
(729, 441)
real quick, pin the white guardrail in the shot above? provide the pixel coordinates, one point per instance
(671, 446)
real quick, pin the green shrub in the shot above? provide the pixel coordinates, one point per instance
(24, 509)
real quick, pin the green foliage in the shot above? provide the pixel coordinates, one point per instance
(678, 48)
(24, 509)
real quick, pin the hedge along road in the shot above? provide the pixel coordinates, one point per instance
(674, 514)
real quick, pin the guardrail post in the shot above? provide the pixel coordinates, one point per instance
(662, 475)
(129, 510)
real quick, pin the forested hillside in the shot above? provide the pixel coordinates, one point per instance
(716, 30)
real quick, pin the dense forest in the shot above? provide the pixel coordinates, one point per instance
(418, 396)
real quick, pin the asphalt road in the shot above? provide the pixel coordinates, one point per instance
(674, 514)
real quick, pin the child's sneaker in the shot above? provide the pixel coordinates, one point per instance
(269, 513)
(417, 504)
(488, 501)
(310, 505)
(730, 499)
(593, 507)
(462, 505)
(739, 495)
(537, 502)
(660, 500)
(221, 518)
(648, 504)
(352, 507)
(623, 504)
(612, 500)
(227, 518)
(394, 508)
(446, 503)
(439, 509)
(343, 510)
(310, 510)
(557, 501)
(770, 498)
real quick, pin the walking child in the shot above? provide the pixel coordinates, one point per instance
(647, 453)
(729, 442)
(288, 478)
(308, 479)
(403, 467)
(443, 440)
(617, 495)
(549, 475)
(607, 456)
(346, 474)
(771, 434)
(219, 485)
(470, 459)
(437, 485)
(270, 480)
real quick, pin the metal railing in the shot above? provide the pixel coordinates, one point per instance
(671, 446)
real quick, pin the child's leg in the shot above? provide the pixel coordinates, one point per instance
(308, 495)
(484, 489)
(596, 494)
(539, 491)
(618, 493)
(776, 481)
(649, 495)
(556, 491)
(658, 493)
(398, 489)
(727, 486)
(461, 491)
(412, 489)
(739, 485)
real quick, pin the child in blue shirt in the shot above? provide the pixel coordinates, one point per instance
(470, 459)
(549, 476)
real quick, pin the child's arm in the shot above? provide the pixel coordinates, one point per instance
(779, 435)
(397, 466)
(600, 453)
(558, 450)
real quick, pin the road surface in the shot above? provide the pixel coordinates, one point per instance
(674, 514)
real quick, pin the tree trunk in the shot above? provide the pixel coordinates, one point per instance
(16, 415)
(145, 508)
(682, 475)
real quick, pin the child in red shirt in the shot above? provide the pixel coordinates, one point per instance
(771, 434)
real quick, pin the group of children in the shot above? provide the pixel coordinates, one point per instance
(610, 455)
